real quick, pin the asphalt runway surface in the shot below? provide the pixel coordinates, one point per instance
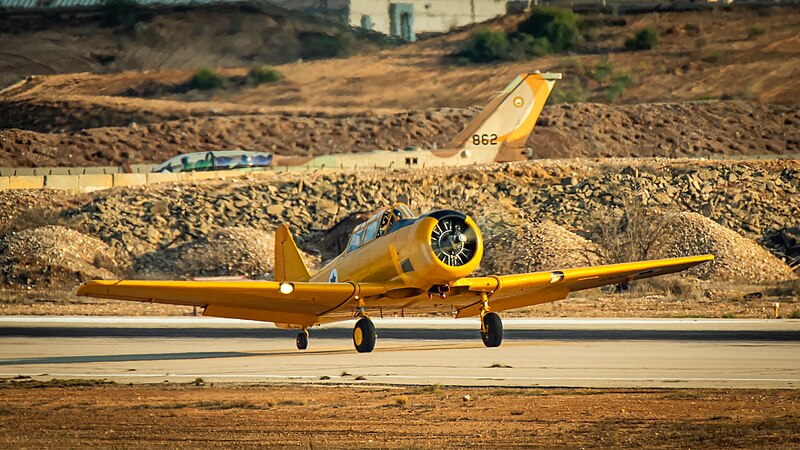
(676, 353)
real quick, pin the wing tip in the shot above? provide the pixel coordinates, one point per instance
(91, 287)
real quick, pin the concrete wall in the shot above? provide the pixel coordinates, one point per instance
(14, 171)
(369, 160)
(429, 15)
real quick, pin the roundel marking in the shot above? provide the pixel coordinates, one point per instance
(518, 102)
(334, 277)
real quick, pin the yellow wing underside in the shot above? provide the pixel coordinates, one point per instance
(312, 303)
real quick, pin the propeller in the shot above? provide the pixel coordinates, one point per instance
(453, 241)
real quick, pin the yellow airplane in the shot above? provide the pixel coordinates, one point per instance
(395, 264)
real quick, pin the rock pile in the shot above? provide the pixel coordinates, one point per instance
(55, 255)
(667, 130)
(537, 246)
(511, 202)
(235, 251)
(736, 258)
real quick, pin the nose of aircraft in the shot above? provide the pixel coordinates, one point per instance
(453, 240)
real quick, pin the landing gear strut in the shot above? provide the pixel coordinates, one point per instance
(364, 335)
(302, 340)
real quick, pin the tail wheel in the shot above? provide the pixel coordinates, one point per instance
(493, 326)
(364, 335)
(302, 340)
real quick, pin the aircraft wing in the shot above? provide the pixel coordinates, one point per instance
(516, 291)
(250, 300)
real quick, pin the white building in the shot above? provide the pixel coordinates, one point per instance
(404, 19)
(410, 17)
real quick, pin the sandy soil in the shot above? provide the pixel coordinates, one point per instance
(700, 55)
(78, 414)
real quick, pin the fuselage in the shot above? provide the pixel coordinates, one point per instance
(417, 253)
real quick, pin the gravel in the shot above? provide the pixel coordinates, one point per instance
(534, 216)
(736, 257)
(55, 255)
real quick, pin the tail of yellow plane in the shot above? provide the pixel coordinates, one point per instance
(507, 121)
(289, 265)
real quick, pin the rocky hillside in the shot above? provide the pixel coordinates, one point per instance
(43, 136)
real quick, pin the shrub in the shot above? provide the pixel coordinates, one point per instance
(489, 46)
(524, 46)
(205, 79)
(630, 232)
(674, 287)
(645, 39)
(621, 82)
(262, 74)
(121, 12)
(569, 93)
(712, 57)
(701, 41)
(320, 46)
(756, 31)
(795, 314)
(559, 26)
(602, 71)
(486, 46)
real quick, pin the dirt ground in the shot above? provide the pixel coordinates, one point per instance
(741, 53)
(59, 414)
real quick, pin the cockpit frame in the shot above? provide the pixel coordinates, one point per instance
(380, 224)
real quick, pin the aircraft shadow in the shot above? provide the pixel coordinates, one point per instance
(189, 356)
(406, 334)
(122, 358)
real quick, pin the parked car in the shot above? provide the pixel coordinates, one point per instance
(215, 160)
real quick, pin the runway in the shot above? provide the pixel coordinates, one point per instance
(695, 353)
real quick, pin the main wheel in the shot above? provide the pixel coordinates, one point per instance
(364, 335)
(493, 336)
(302, 340)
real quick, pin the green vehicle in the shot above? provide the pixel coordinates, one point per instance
(215, 160)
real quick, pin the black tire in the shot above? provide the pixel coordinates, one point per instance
(364, 335)
(493, 336)
(302, 340)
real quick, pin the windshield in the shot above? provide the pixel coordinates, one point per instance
(378, 225)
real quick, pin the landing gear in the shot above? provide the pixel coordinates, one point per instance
(302, 340)
(491, 330)
(364, 335)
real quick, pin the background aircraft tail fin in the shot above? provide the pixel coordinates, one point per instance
(509, 118)
(289, 265)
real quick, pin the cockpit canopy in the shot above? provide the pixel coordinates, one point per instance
(380, 224)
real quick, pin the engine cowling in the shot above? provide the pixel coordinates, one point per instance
(448, 246)
(453, 241)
